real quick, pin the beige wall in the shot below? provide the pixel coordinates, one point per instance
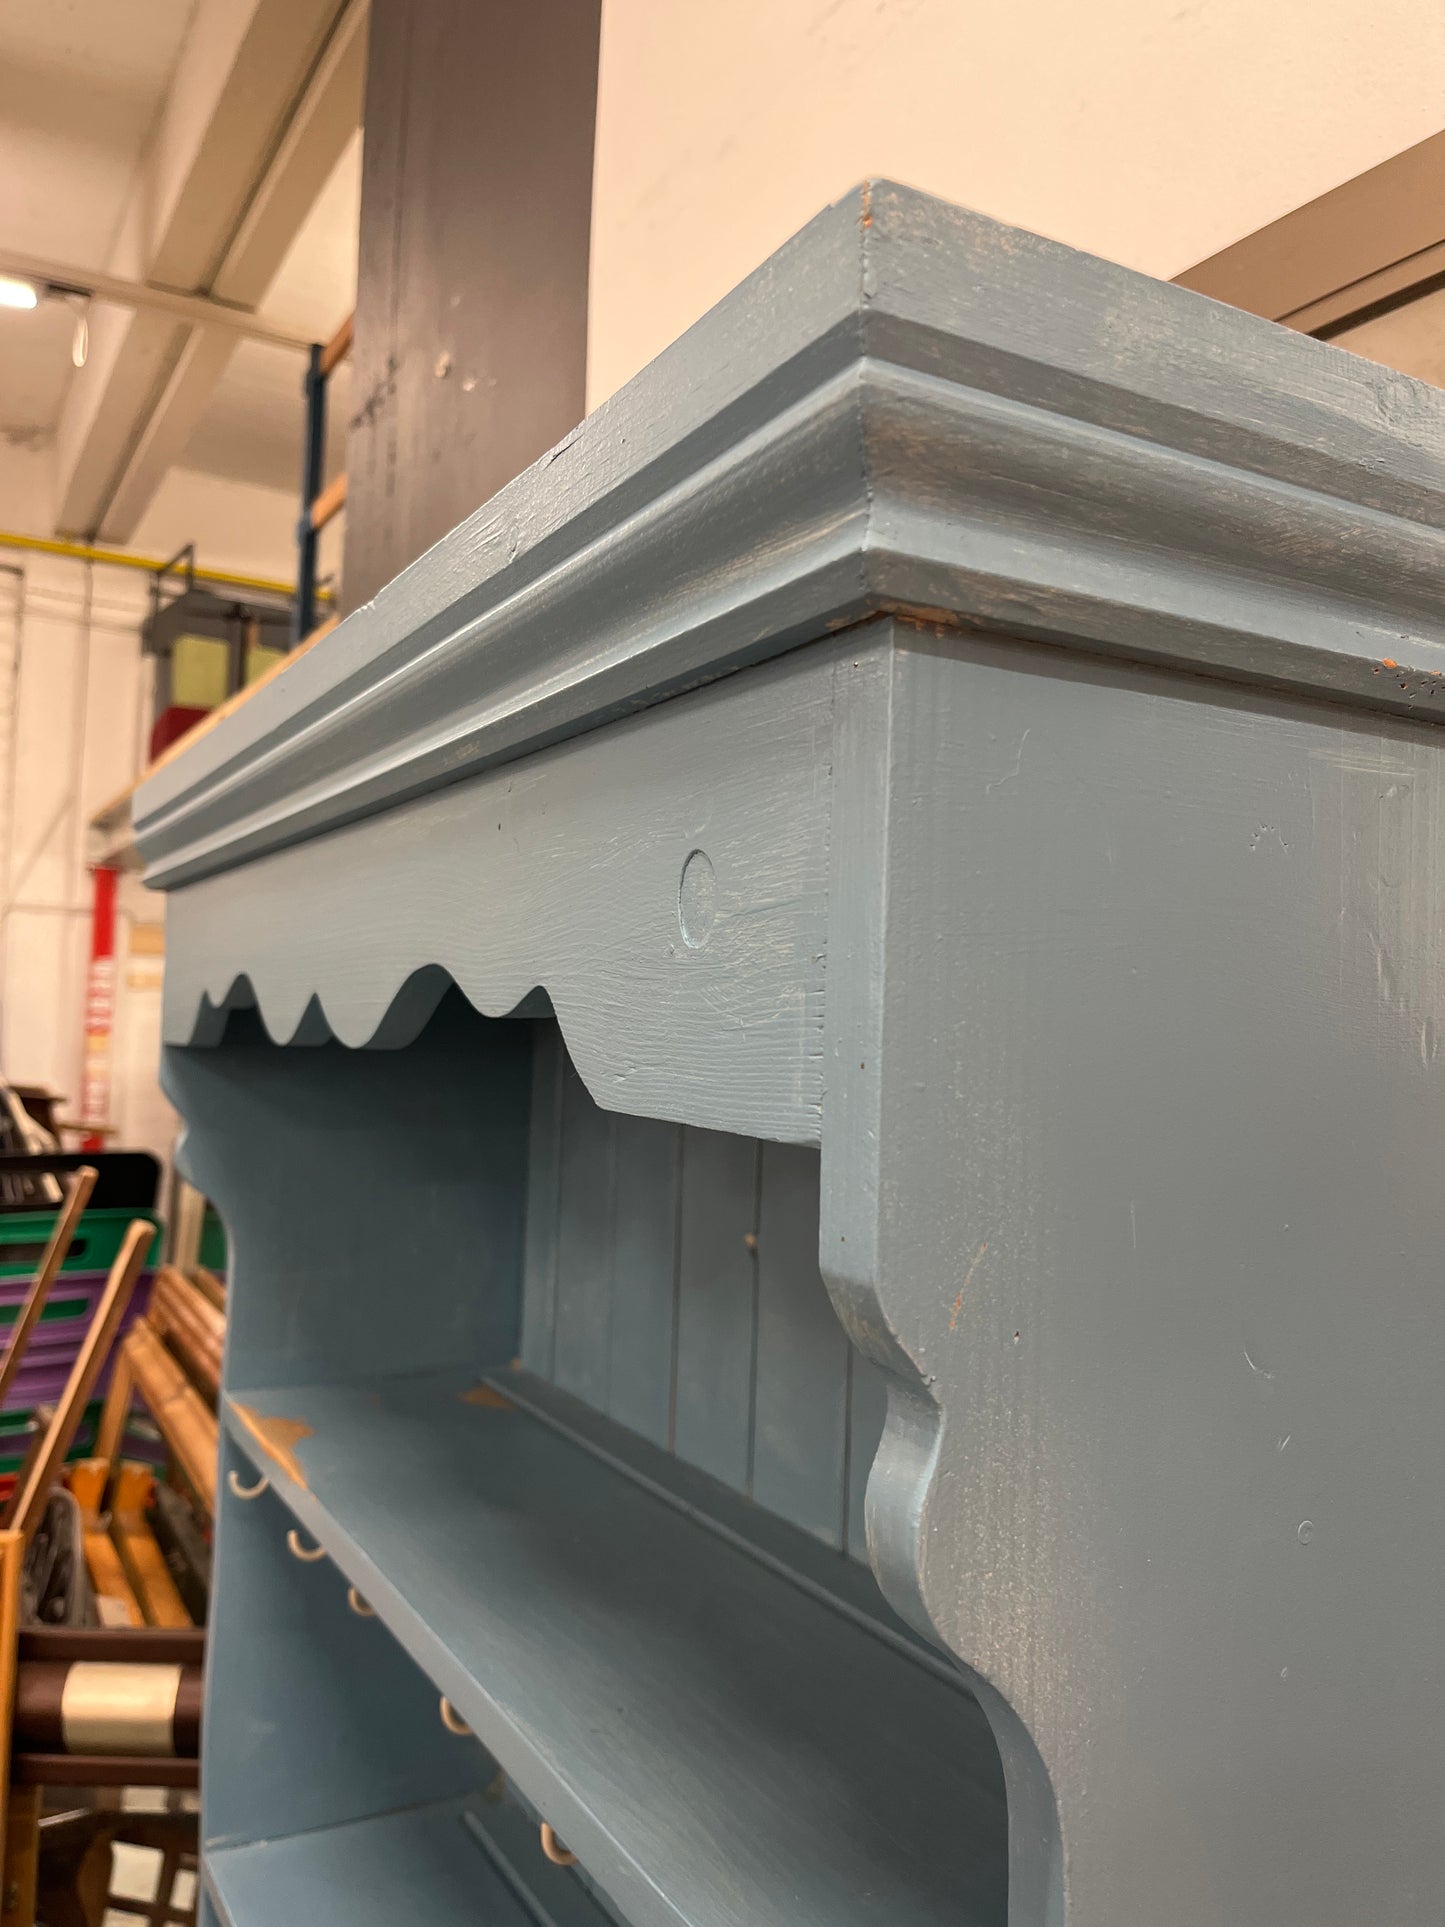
(1150, 131)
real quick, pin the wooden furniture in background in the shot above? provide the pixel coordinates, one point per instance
(107, 1706)
(119, 1706)
(186, 1426)
(27, 1503)
(67, 1222)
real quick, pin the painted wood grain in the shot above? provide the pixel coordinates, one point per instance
(565, 872)
(689, 1306)
(717, 1306)
(913, 408)
(867, 1410)
(715, 1741)
(646, 1258)
(544, 1154)
(586, 1250)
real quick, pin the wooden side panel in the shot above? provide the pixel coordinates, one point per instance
(471, 319)
(867, 1408)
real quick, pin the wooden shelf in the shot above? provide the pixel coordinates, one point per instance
(454, 1863)
(718, 1744)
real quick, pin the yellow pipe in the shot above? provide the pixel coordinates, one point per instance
(123, 559)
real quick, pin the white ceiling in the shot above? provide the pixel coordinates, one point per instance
(81, 85)
(251, 430)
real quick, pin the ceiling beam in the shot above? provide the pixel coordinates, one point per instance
(266, 94)
(201, 310)
(1375, 242)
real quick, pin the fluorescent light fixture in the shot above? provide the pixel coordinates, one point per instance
(17, 294)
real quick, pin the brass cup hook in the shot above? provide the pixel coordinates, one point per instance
(559, 1855)
(453, 1721)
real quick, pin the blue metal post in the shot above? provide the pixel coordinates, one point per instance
(312, 456)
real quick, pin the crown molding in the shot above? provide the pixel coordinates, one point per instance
(908, 409)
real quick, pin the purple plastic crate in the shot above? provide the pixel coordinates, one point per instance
(56, 1341)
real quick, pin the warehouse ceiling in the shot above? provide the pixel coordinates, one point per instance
(204, 145)
(251, 429)
(80, 87)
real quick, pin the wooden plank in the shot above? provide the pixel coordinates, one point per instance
(717, 1305)
(208, 1285)
(115, 1413)
(186, 1646)
(802, 1360)
(192, 1326)
(631, 1669)
(584, 1245)
(329, 503)
(144, 1563)
(645, 1272)
(115, 1601)
(103, 1769)
(539, 1265)
(339, 347)
(471, 319)
(188, 1429)
(62, 1232)
(31, 1498)
(12, 1561)
(115, 1598)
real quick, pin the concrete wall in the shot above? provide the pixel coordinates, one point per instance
(1150, 131)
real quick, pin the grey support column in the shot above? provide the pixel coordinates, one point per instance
(1130, 1162)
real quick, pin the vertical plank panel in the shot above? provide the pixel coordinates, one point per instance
(581, 1342)
(802, 1355)
(539, 1273)
(647, 1168)
(716, 1308)
(867, 1407)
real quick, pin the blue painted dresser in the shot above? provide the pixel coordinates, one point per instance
(819, 1039)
